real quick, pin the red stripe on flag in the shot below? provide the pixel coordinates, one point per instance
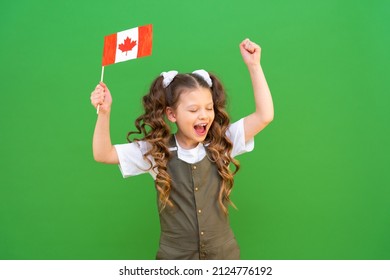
(109, 49)
(145, 38)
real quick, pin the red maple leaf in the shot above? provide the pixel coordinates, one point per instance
(127, 45)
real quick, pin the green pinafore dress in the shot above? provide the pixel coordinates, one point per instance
(195, 228)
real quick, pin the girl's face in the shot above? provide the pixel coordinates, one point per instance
(193, 115)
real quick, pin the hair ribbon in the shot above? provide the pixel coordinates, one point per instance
(205, 76)
(170, 75)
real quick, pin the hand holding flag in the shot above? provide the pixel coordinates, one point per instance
(101, 97)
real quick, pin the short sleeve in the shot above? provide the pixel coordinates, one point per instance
(131, 159)
(236, 134)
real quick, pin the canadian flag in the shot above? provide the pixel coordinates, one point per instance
(129, 44)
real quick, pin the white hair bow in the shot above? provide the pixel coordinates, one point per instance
(205, 75)
(168, 77)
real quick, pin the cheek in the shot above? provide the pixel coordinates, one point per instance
(187, 118)
(212, 115)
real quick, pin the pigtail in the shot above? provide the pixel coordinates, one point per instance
(220, 146)
(156, 132)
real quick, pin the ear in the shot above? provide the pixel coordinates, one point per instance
(170, 114)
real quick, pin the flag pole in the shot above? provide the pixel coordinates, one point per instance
(101, 79)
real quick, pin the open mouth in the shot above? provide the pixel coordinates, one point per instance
(200, 129)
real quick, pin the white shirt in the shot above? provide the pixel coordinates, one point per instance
(132, 162)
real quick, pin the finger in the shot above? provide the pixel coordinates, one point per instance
(247, 44)
(100, 88)
(103, 85)
(256, 46)
(96, 91)
(243, 43)
(100, 98)
(97, 95)
(250, 46)
(96, 102)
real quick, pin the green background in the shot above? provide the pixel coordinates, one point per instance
(315, 187)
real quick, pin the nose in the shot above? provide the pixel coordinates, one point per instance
(202, 114)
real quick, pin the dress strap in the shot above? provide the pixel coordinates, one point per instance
(172, 143)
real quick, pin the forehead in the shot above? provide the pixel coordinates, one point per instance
(196, 96)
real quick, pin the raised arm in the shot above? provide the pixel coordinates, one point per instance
(264, 112)
(103, 150)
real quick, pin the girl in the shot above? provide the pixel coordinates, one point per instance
(191, 168)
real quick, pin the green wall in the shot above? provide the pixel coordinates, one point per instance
(315, 187)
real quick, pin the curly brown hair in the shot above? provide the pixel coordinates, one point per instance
(153, 125)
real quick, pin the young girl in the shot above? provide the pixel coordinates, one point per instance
(191, 168)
